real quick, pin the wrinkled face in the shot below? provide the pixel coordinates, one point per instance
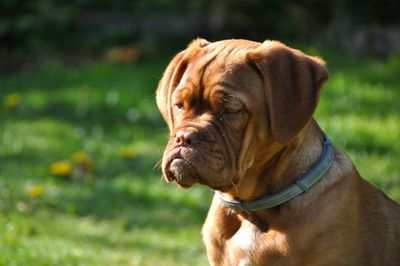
(230, 104)
(210, 108)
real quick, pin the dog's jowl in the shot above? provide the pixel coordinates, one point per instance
(240, 120)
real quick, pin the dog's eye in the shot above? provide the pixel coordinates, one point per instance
(179, 106)
(232, 110)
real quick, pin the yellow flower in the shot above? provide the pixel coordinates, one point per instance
(127, 153)
(12, 100)
(82, 164)
(82, 158)
(61, 168)
(35, 191)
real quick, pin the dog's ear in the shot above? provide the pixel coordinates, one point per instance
(292, 83)
(172, 76)
(166, 83)
(199, 42)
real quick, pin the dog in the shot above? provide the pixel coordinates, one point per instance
(240, 119)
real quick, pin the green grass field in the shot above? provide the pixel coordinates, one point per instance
(79, 145)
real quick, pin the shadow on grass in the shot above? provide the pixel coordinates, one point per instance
(109, 119)
(333, 104)
(106, 95)
(363, 141)
(139, 208)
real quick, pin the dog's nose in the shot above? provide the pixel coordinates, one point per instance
(185, 138)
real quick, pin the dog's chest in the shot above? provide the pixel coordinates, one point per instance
(252, 246)
(242, 245)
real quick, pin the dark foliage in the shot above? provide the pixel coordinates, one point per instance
(90, 24)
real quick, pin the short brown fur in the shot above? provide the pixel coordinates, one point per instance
(240, 120)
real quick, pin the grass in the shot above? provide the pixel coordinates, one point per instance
(112, 208)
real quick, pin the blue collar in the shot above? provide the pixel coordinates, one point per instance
(299, 186)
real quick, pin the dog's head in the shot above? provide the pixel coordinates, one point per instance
(230, 105)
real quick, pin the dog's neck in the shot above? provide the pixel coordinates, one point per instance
(283, 168)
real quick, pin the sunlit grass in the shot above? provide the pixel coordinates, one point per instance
(121, 222)
(116, 210)
(360, 111)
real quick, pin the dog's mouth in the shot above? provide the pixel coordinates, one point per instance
(182, 171)
(186, 169)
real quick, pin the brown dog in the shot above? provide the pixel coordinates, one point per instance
(240, 121)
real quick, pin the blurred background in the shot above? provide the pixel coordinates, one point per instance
(89, 27)
(80, 135)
